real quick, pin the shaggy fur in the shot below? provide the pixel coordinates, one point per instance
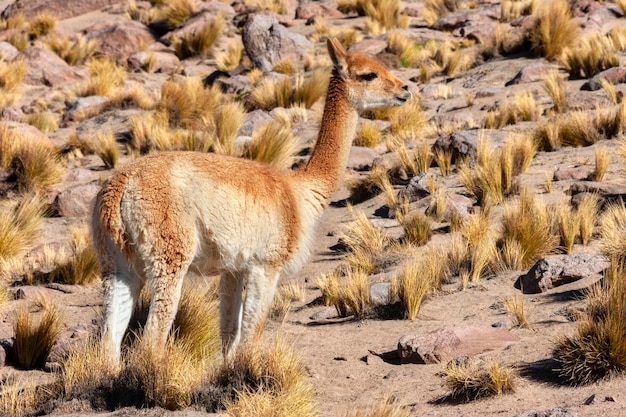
(248, 222)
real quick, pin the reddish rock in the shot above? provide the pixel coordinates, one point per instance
(615, 75)
(572, 173)
(372, 46)
(537, 71)
(467, 18)
(28, 132)
(445, 344)
(119, 40)
(58, 8)
(308, 10)
(76, 201)
(155, 61)
(559, 270)
(83, 107)
(44, 67)
(8, 51)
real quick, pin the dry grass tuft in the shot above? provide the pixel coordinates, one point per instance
(471, 380)
(385, 408)
(105, 146)
(417, 227)
(35, 337)
(45, 121)
(194, 43)
(73, 51)
(285, 295)
(555, 29)
(82, 267)
(568, 224)
(368, 135)
(229, 60)
(42, 25)
(603, 160)
(175, 12)
(612, 229)
(435, 9)
(268, 381)
(598, 348)
(609, 89)
(104, 76)
(272, 144)
(417, 278)
(408, 119)
(84, 369)
(587, 212)
(18, 396)
(556, 87)
(527, 222)
(18, 225)
(523, 108)
(589, 56)
(516, 306)
(11, 76)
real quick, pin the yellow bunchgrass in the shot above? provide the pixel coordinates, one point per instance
(512, 9)
(612, 229)
(267, 381)
(598, 347)
(15, 21)
(82, 266)
(568, 225)
(42, 25)
(515, 305)
(273, 144)
(229, 60)
(523, 108)
(18, 395)
(35, 336)
(589, 56)
(188, 103)
(443, 158)
(367, 135)
(587, 213)
(417, 227)
(85, 368)
(363, 188)
(175, 12)
(435, 9)
(193, 43)
(405, 48)
(554, 29)
(365, 244)
(603, 160)
(104, 77)
(285, 295)
(35, 164)
(45, 121)
(227, 120)
(105, 146)
(416, 279)
(556, 87)
(11, 76)
(527, 221)
(73, 51)
(438, 204)
(19, 225)
(469, 380)
(276, 6)
(408, 118)
(618, 37)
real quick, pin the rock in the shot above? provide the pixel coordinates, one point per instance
(8, 51)
(606, 192)
(252, 120)
(234, 85)
(76, 201)
(325, 313)
(44, 67)
(361, 158)
(464, 17)
(463, 142)
(267, 42)
(154, 61)
(120, 40)
(537, 71)
(391, 374)
(82, 107)
(481, 32)
(553, 412)
(33, 292)
(379, 293)
(193, 25)
(6, 351)
(371, 46)
(572, 173)
(446, 343)
(308, 10)
(459, 204)
(58, 8)
(559, 270)
(68, 340)
(615, 75)
(27, 132)
(416, 189)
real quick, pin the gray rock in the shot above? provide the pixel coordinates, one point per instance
(76, 201)
(572, 173)
(44, 67)
(370, 46)
(313, 9)
(252, 120)
(234, 85)
(163, 62)
(605, 192)
(537, 71)
(416, 189)
(8, 51)
(267, 42)
(379, 293)
(466, 17)
(325, 313)
(361, 158)
(120, 40)
(559, 270)
(446, 343)
(6, 351)
(57, 8)
(82, 107)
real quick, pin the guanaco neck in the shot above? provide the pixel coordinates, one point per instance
(329, 157)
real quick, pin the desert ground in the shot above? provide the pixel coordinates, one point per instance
(484, 75)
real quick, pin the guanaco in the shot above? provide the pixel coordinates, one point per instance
(166, 213)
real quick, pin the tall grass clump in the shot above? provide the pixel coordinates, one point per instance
(104, 76)
(272, 144)
(18, 396)
(35, 336)
(554, 29)
(194, 43)
(11, 76)
(527, 222)
(19, 221)
(82, 266)
(589, 56)
(417, 278)
(387, 407)
(598, 347)
(74, 51)
(364, 243)
(270, 380)
(472, 380)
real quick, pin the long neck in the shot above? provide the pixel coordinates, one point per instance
(332, 149)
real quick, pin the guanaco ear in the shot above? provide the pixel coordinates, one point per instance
(338, 54)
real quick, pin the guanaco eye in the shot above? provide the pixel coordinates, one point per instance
(369, 76)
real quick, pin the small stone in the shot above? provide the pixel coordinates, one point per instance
(609, 398)
(391, 374)
(499, 324)
(340, 358)
(590, 400)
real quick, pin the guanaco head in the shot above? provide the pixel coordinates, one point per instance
(369, 84)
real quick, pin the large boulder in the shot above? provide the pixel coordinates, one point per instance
(445, 344)
(58, 8)
(615, 75)
(313, 9)
(44, 67)
(76, 201)
(154, 61)
(119, 40)
(559, 270)
(267, 42)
